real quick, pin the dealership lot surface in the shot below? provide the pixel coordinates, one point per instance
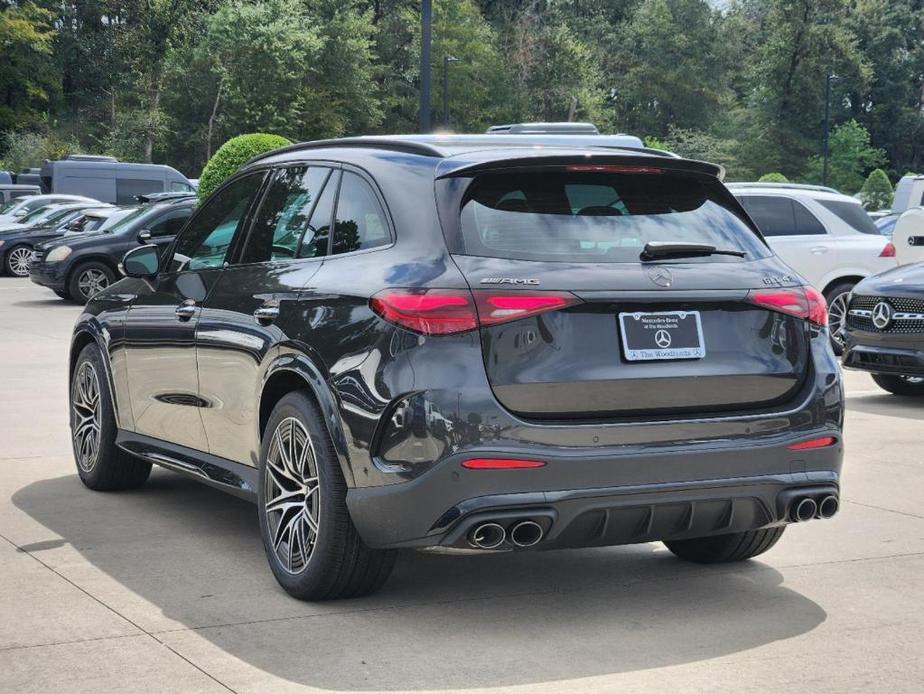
(167, 588)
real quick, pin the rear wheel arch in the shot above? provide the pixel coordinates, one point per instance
(296, 372)
(86, 335)
(846, 279)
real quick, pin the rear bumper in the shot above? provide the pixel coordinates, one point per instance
(622, 499)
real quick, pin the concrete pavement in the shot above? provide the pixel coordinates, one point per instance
(167, 589)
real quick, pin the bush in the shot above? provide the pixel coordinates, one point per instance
(773, 178)
(876, 193)
(23, 149)
(232, 155)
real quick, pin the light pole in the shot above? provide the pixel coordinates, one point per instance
(426, 25)
(824, 168)
(446, 60)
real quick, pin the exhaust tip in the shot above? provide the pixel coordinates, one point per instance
(487, 536)
(526, 533)
(804, 509)
(828, 506)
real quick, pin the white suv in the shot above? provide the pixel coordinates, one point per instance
(826, 237)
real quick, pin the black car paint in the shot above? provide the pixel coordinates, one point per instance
(733, 464)
(898, 349)
(106, 246)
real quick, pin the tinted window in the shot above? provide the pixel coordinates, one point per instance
(180, 187)
(853, 214)
(774, 216)
(284, 214)
(206, 241)
(360, 220)
(171, 223)
(128, 188)
(598, 217)
(807, 224)
(316, 239)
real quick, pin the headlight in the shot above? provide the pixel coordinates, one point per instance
(1, 243)
(56, 255)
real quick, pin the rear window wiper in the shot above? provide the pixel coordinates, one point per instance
(668, 249)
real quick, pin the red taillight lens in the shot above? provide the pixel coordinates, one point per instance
(501, 464)
(447, 311)
(888, 251)
(801, 302)
(822, 442)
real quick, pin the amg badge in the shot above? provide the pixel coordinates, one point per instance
(509, 280)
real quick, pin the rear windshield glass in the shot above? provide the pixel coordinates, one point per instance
(853, 214)
(599, 217)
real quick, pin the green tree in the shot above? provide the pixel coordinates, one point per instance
(850, 156)
(232, 155)
(27, 148)
(774, 177)
(877, 192)
(28, 79)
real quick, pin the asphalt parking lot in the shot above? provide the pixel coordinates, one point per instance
(167, 589)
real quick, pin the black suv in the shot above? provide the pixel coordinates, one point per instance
(78, 266)
(467, 342)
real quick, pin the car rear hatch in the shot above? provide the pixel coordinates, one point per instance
(574, 324)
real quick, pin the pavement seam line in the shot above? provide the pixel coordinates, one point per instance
(71, 642)
(883, 508)
(117, 613)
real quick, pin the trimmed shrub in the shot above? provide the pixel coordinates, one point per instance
(232, 155)
(876, 193)
(773, 178)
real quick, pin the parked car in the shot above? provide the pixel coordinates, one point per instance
(110, 180)
(98, 218)
(17, 241)
(909, 192)
(824, 236)
(78, 266)
(885, 329)
(441, 341)
(15, 210)
(886, 224)
(13, 191)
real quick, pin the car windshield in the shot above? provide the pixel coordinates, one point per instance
(575, 216)
(134, 214)
(36, 215)
(7, 206)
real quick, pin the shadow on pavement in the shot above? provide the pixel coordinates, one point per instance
(442, 621)
(889, 405)
(51, 302)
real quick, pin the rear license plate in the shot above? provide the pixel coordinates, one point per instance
(663, 335)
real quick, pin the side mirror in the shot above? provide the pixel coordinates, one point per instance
(142, 262)
(144, 236)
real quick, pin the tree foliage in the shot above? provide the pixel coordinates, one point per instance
(877, 192)
(773, 177)
(232, 155)
(850, 157)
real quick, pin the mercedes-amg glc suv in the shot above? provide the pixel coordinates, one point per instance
(474, 342)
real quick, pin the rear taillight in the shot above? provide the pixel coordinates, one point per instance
(448, 311)
(801, 302)
(614, 168)
(822, 442)
(888, 251)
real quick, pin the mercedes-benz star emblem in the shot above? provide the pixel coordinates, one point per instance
(661, 276)
(663, 339)
(882, 315)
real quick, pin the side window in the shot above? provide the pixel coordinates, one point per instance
(315, 241)
(170, 223)
(360, 220)
(773, 215)
(284, 216)
(207, 239)
(807, 224)
(128, 188)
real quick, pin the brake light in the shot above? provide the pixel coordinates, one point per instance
(822, 442)
(888, 251)
(501, 464)
(449, 311)
(801, 302)
(614, 168)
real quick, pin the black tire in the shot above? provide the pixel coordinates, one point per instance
(720, 549)
(900, 385)
(834, 296)
(110, 468)
(76, 279)
(338, 564)
(12, 261)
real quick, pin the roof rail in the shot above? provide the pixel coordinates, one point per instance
(373, 141)
(793, 186)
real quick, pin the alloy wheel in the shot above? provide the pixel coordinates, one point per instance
(86, 417)
(91, 282)
(837, 317)
(19, 261)
(291, 495)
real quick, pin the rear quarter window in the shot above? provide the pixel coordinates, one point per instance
(852, 214)
(570, 216)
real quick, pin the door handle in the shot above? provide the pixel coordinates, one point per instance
(186, 310)
(266, 314)
(819, 250)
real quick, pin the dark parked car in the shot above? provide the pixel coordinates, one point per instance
(885, 329)
(44, 224)
(77, 266)
(468, 342)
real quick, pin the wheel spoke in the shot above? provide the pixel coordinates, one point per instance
(86, 416)
(285, 501)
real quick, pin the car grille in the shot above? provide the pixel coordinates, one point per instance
(37, 256)
(908, 316)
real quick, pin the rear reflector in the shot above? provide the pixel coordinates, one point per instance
(888, 251)
(801, 302)
(501, 464)
(448, 311)
(822, 442)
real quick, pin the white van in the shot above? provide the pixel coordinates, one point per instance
(109, 180)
